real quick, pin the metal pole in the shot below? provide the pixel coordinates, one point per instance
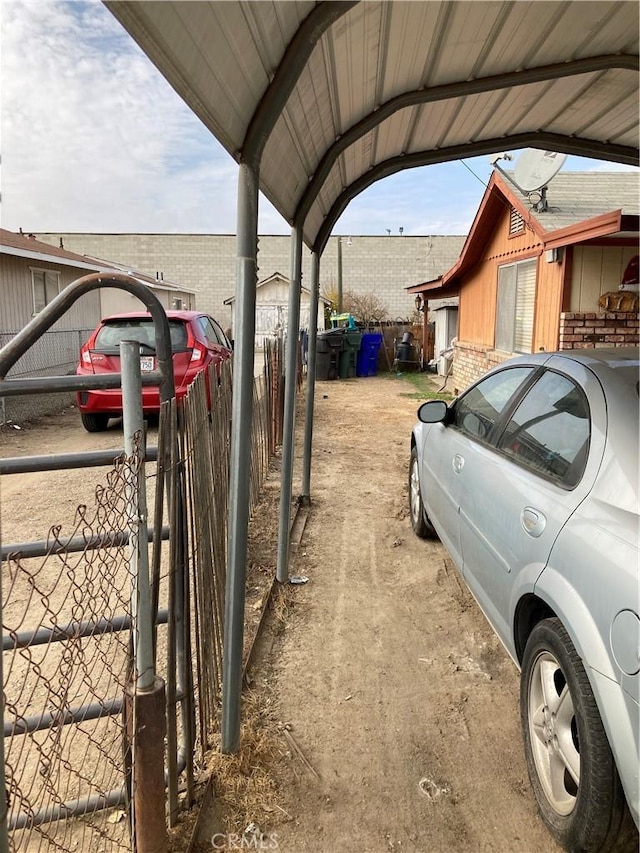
(339, 306)
(145, 696)
(242, 407)
(134, 447)
(4, 799)
(311, 378)
(286, 476)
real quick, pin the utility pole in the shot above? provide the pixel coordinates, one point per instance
(339, 306)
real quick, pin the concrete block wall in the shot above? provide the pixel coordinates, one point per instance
(206, 262)
(587, 330)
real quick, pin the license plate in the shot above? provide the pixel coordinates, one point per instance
(146, 363)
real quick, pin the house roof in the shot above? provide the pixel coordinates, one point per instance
(277, 276)
(581, 206)
(329, 97)
(26, 246)
(574, 197)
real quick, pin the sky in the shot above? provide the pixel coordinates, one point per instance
(94, 139)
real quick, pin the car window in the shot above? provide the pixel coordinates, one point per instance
(224, 340)
(550, 430)
(476, 412)
(209, 331)
(111, 334)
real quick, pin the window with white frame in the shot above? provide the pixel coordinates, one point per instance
(515, 308)
(46, 285)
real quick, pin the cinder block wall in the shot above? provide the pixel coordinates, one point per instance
(206, 262)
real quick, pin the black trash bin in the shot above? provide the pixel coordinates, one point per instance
(329, 345)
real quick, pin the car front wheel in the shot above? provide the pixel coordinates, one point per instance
(420, 523)
(94, 422)
(569, 760)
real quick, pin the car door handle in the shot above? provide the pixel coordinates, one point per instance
(458, 463)
(533, 521)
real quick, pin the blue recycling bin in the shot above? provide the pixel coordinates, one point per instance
(367, 360)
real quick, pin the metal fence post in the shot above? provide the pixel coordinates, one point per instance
(4, 794)
(145, 697)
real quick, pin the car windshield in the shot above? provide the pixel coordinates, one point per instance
(137, 329)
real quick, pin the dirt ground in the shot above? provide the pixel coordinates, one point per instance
(393, 709)
(391, 683)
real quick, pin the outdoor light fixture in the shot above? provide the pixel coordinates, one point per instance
(418, 301)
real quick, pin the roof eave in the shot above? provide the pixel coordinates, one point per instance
(589, 229)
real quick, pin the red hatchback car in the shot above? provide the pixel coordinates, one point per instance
(196, 341)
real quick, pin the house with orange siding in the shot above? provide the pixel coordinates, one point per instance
(543, 271)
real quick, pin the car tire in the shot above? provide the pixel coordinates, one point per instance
(94, 422)
(420, 523)
(570, 764)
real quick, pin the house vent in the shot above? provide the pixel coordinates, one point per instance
(516, 222)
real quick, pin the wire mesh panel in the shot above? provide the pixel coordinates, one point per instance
(65, 661)
(56, 353)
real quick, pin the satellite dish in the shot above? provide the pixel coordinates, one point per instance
(534, 169)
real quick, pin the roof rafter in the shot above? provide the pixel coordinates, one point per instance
(450, 91)
(292, 64)
(535, 139)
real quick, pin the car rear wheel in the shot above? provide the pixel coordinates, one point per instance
(420, 523)
(94, 422)
(569, 760)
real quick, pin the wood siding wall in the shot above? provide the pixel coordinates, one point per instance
(478, 295)
(549, 289)
(16, 295)
(596, 270)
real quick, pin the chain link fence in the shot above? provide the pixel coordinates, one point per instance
(54, 354)
(68, 627)
(66, 659)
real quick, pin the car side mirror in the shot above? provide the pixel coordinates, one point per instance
(433, 412)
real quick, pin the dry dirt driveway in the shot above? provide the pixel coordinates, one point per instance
(395, 688)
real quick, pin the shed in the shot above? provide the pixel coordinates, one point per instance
(272, 299)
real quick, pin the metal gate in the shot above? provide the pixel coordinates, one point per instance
(91, 684)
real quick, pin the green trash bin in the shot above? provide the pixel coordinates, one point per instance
(349, 354)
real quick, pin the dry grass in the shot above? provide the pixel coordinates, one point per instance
(282, 602)
(244, 788)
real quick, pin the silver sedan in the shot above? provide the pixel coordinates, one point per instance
(530, 479)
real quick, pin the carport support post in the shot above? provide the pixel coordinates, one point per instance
(311, 378)
(286, 477)
(240, 462)
(145, 697)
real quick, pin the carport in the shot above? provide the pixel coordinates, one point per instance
(317, 101)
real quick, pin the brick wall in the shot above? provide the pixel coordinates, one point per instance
(207, 262)
(577, 331)
(586, 331)
(470, 361)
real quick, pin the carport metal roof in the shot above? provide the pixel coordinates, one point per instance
(339, 94)
(316, 101)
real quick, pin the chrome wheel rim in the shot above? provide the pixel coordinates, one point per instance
(553, 733)
(414, 491)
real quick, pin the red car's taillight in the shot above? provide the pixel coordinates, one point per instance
(198, 354)
(85, 356)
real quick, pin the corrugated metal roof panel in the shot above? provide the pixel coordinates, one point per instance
(222, 58)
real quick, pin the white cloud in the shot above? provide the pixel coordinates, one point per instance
(95, 139)
(93, 136)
